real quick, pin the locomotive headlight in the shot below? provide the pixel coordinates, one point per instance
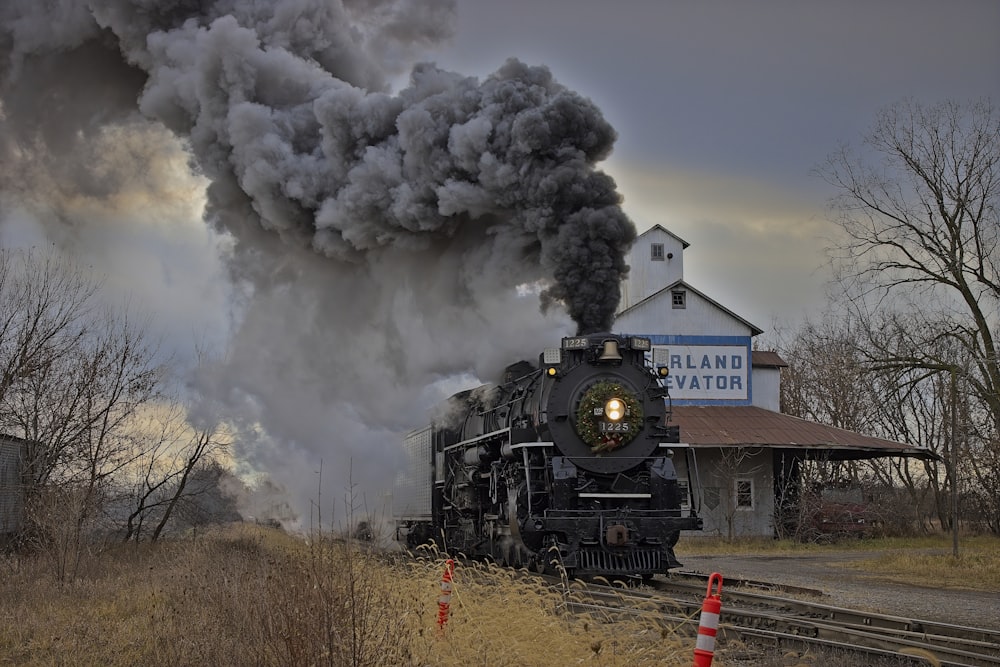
(614, 409)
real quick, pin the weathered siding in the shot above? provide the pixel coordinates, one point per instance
(767, 388)
(647, 276)
(11, 490)
(700, 317)
(721, 473)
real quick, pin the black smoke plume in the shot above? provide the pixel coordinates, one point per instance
(384, 249)
(286, 102)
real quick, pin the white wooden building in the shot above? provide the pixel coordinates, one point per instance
(724, 394)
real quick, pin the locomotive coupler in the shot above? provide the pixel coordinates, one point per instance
(616, 535)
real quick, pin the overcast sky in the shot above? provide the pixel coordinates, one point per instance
(723, 108)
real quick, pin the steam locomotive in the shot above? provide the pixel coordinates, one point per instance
(565, 463)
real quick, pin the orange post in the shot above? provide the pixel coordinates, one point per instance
(444, 602)
(708, 626)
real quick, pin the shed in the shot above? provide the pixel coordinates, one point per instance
(12, 453)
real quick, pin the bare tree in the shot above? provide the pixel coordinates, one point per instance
(831, 379)
(925, 222)
(732, 471)
(109, 449)
(160, 479)
(825, 381)
(202, 445)
(77, 409)
(915, 408)
(44, 303)
(180, 466)
(828, 381)
(147, 482)
(74, 376)
(920, 257)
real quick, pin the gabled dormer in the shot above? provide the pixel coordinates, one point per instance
(656, 259)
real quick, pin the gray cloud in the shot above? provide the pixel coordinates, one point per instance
(276, 99)
(408, 219)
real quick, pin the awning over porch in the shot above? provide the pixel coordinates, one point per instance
(750, 426)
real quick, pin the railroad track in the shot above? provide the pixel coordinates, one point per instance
(770, 619)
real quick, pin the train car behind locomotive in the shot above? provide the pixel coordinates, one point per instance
(568, 461)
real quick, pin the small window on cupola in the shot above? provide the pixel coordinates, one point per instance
(656, 252)
(678, 299)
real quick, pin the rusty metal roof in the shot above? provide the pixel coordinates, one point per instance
(750, 426)
(767, 358)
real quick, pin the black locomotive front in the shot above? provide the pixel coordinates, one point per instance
(568, 462)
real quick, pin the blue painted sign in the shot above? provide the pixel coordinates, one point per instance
(709, 370)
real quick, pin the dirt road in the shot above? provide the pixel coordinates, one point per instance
(854, 588)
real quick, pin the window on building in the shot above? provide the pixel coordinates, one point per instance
(678, 299)
(744, 494)
(656, 251)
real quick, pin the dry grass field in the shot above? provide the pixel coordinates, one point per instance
(248, 595)
(253, 596)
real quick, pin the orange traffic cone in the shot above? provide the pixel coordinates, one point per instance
(708, 626)
(444, 602)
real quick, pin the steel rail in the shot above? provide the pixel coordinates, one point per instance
(785, 632)
(792, 640)
(877, 633)
(846, 616)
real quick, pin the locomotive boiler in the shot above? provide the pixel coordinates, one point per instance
(567, 462)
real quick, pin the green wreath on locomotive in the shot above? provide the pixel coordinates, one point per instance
(590, 416)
